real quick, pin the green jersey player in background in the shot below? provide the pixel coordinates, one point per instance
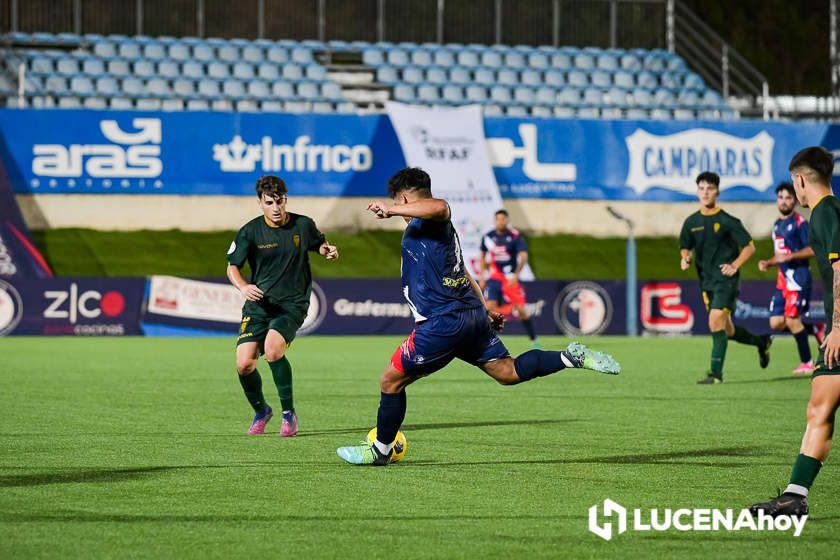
(276, 246)
(721, 246)
(810, 172)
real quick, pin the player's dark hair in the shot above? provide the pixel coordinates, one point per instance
(502, 211)
(815, 162)
(271, 185)
(410, 179)
(787, 187)
(709, 177)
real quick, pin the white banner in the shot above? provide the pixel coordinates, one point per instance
(449, 144)
(193, 299)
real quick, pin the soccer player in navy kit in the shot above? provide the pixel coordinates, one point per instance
(508, 255)
(451, 319)
(792, 298)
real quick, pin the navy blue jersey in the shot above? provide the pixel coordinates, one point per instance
(503, 249)
(789, 236)
(434, 277)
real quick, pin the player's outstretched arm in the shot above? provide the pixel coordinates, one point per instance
(329, 252)
(426, 209)
(250, 291)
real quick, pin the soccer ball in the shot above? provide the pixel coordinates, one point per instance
(400, 445)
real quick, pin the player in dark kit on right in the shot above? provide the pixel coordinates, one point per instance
(276, 246)
(811, 170)
(450, 316)
(721, 246)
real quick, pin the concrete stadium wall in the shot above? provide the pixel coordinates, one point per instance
(212, 213)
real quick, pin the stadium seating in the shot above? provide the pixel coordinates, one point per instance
(164, 73)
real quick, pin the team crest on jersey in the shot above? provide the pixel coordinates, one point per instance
(296, 240)
(717, 227)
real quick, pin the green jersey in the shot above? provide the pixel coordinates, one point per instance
(279, 261)
(715, 239)
(825, 240)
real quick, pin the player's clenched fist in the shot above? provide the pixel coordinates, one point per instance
(380, 209)
(329, 252)
(497, 321)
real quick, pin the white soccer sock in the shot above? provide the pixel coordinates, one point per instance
(796, 489)
(566, 361)
(383, 448)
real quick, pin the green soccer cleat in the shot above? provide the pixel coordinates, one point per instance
(363, 454)
(584, 358)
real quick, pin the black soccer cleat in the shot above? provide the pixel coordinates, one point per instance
(764, 351)
(710, 379)
(784, 504)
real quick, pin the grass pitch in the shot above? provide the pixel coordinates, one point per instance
(135, 448)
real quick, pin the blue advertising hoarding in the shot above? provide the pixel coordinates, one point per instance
(81, 151)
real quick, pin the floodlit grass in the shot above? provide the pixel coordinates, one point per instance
(135, 448)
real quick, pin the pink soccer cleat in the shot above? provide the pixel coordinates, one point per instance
(805, 368)
(259, 422)
(289, 427)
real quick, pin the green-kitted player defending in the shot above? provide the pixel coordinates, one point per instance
(276, 246)
(810, 172)
(721, 246)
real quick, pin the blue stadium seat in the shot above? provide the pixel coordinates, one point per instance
(693, 81)
(397, 57)
(147, 104)
(345, 107)
(561, 60)
(458, 75)
(228, 53)
(171, 104)
(437, 76)
(642, 98)
(197, 104)
(623, 78)
(531, 77)
(168, 69)
(372, 57)
(144, 68)
(600, 78)
(271, 106)
(70, 102)
(554, 78)
(308, 90)
(121, 104)
(41, 65)
(302, 55)
(107, 85)
(258, 89)
(467, 58)
(452, 94)
(403, 92)
(610, 112)
(484, 76)
(577, 78)
(105, 49)
(178, 51)
(569, 96)
(476, 94)
(646, 80)
(322, 107)
(218, 70)
(563, 112)
(133, 86)
(420, 57)
(386, 75)
(81, 85)
(630, 62)
(517, 111)
(268, 71)
(93, 67)
(247, 106)
(203, 52)
(584, 61)
(154, 51)
(209, 88)
(192, 69)
(664, 98)
(129, 50)
(95, 102)
(712, 99)
(292, 72)
(636, 114)
(684, 114)
(546, 95)
(587, 112)
(541, 112)
(253, 54)
(158, 87)
(493, 110)
(514, 60)
(616, 97)
(607, 61)
(654, 63)
(524, 95)
(443, 57)
(538, 60)
(331, 91)
(428, 93)
(67, 66)
(243, 71)
(670, 80)
(491, 59)
(660, 114)
(592, 97)
(277, 54)
(315, 72)
(507, 77)
(283, 90)
(233, 88)
(296, 106)
(500, 94)
(413, 75)
(183, 87)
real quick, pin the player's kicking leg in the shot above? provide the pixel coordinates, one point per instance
(281, 371)
(247, 354)
(816, 444)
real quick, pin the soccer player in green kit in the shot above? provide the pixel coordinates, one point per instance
(276, 246)
(721, 246)
(810, 172)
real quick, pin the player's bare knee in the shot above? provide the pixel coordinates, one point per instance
(245, 366)
(818, 414)
(777, 323)
(392, 381)
(274, 353)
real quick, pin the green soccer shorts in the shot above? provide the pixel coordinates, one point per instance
(721, 297)
(255, 327)
(821, 368)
